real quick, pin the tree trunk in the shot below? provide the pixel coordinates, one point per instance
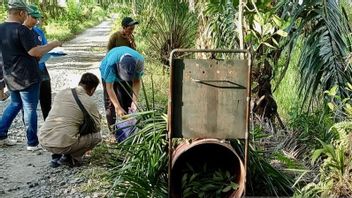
(240, 24)
(134, 8)
(191, 5)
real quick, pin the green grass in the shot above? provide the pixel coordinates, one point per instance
(286, 95)
(156, 83)
(97, 180)
(58, 30)
(70, 23)
(287, 162)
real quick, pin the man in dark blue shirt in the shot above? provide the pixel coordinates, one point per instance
(21, 72)
(34, 17)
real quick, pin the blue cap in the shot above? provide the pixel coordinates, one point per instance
(126, 68)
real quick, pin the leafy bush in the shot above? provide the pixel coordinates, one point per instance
(74, 19)
(335, 172)
(305, 129)
(336, 167)
(3, 13)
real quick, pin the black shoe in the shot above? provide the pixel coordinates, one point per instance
(54, 160)
(56, 156)
(54, 164)
(66, 160)
(76, 163)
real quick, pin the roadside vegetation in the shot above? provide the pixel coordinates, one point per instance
(63, 22)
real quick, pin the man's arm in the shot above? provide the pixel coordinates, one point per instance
(112, 41)
(40, 50)
(113, 98)
(136, 86)
(96, 116)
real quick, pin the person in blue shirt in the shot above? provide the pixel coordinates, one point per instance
(121, 71)
(34, 17)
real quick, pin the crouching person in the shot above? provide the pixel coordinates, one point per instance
(60, 133)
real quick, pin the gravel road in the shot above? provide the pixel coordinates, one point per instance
(27, 174)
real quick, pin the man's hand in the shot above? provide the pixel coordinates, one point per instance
(57, 43)
(120, 112)
(133, 107)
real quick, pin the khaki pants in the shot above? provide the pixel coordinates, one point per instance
(78, 149)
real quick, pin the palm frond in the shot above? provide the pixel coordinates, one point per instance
(326, 43)
(144, 168)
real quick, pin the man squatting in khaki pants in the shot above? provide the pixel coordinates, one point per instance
(60, 132)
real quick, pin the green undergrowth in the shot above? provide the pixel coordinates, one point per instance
(68, 21)
(2, 13)
(75, 19)
(56, 30)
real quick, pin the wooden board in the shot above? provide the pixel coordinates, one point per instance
(209, 98)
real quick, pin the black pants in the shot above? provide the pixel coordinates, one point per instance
(123, 97)
(45, 97)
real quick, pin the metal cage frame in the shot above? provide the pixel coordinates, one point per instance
(244, 55)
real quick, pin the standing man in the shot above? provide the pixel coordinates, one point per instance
(121, 71)
(125, 36)
(21, 72)
(3, 94)
(34, 17)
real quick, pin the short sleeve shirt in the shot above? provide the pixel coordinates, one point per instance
(108, 66)
(41, 40)
(19, 68)
(118, 39)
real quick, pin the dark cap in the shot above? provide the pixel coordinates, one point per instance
(126, 68)
(35, 12)
(18, 4)
(128, 21)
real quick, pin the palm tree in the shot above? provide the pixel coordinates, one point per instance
(323, 28)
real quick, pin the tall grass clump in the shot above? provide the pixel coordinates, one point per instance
(286, 92)
(143, 171)
(305, 128)
(155, 86)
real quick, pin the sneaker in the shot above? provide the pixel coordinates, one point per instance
(7, 142)
(34, 148)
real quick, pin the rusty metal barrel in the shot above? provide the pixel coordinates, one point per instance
(214, 153)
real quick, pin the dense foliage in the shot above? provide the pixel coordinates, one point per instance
(63, 21)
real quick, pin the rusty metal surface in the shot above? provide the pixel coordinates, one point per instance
(209, 98)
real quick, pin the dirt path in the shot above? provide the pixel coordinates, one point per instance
(27, 174)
